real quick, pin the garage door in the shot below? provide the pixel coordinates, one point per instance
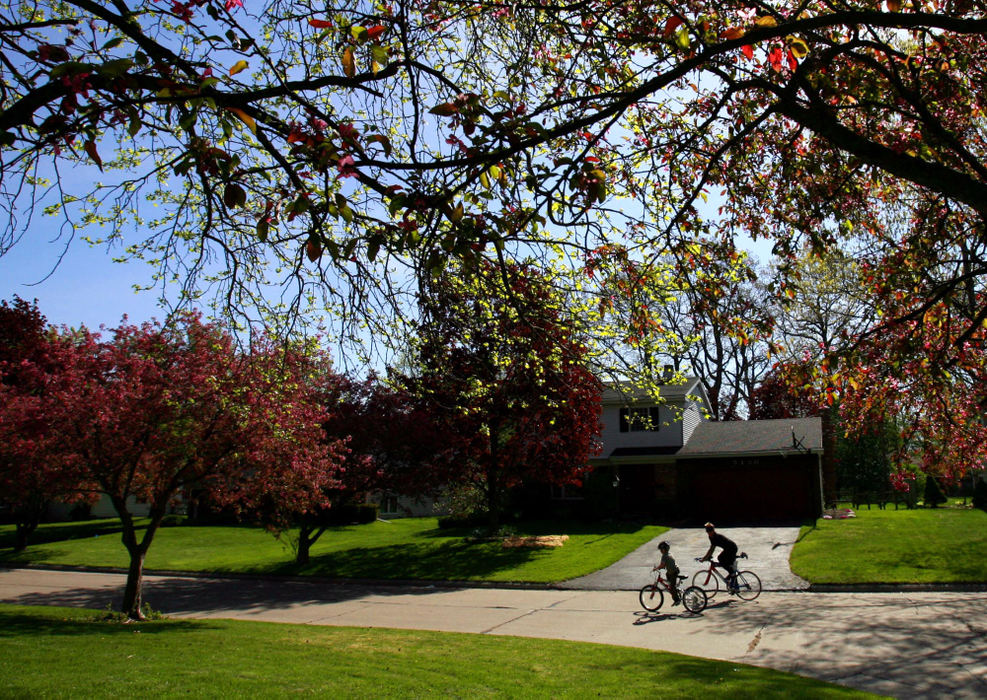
(764, 492)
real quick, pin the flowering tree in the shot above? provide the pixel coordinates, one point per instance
(504, 374)
(157, 411)
(30, 479)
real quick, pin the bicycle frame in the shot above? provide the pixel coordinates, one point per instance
(711, 572)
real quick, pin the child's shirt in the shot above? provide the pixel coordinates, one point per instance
(668, 563)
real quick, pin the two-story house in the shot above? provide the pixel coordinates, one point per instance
(667, 461)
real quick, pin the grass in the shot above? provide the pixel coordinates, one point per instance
(69, 653)
(925, 545)
(410, 548)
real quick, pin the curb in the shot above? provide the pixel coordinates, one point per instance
(327, 580)
(897, 587)
(514, 585)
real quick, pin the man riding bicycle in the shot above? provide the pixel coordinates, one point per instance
(727, 556)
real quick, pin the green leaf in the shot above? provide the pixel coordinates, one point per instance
(682, 39)
(373, 247)
(379, 54)
(263, 228)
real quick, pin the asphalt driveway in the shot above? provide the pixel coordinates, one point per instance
(768, 550)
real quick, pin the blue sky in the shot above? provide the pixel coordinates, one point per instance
(87, 287)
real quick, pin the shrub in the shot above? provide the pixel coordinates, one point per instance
(348, 513)
(469, 520)
(980, 494)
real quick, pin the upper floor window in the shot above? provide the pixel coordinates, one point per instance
(635, 420)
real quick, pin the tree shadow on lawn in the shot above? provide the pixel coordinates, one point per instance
(20, 624)
(455, 560)
(546, 527)
(60, 532)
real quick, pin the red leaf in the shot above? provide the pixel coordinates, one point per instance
(313, 249)
(91, 150)
(671, 25)
(376, 31)
(748, 51)
(320, 23)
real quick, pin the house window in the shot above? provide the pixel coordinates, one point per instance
(639, 420)
(388, 504)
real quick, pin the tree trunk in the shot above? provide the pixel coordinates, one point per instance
(307, 536)
(132, 595)
(22, 534)
(829, 457)
(304, 549)
(27, 521)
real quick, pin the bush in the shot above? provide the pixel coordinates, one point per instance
(469, 520)
(361, 513)
(980, 494)
(933, 494)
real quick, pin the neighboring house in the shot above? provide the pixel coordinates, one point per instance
(667, 461)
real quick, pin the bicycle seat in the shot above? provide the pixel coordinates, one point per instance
(682, 578)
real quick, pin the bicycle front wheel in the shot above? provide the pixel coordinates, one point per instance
(694, 599)
(651, 597)
(711, 587)
(748, 585)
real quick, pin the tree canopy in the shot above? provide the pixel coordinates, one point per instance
(505, 378)
(351, 149)
(156, 413)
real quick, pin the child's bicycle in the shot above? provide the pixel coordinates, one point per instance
(748, 585)
(652, 596)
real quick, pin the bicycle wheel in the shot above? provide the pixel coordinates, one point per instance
(748, 585)
(694, 599)
(651, 597)
(699, 579)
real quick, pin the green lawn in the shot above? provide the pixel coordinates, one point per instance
(72, 653)
(925, 545)
(413, 548)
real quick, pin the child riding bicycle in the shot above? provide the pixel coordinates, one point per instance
(671, 571)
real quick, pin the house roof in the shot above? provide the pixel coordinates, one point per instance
(625, 393)
(747, 437)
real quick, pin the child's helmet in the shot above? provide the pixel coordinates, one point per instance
(663, 545)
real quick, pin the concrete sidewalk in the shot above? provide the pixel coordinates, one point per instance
(768, 550)
(903, 645)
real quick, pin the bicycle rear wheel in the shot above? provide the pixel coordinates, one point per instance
(651, 597)
(748, 585)
(694, 599)
(699, 579)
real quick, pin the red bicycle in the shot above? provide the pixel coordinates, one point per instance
(652, 596)
(745, 584)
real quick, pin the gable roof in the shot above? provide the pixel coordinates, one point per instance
(752, 437)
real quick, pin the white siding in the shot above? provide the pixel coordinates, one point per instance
(669, 433)
(691, 417)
